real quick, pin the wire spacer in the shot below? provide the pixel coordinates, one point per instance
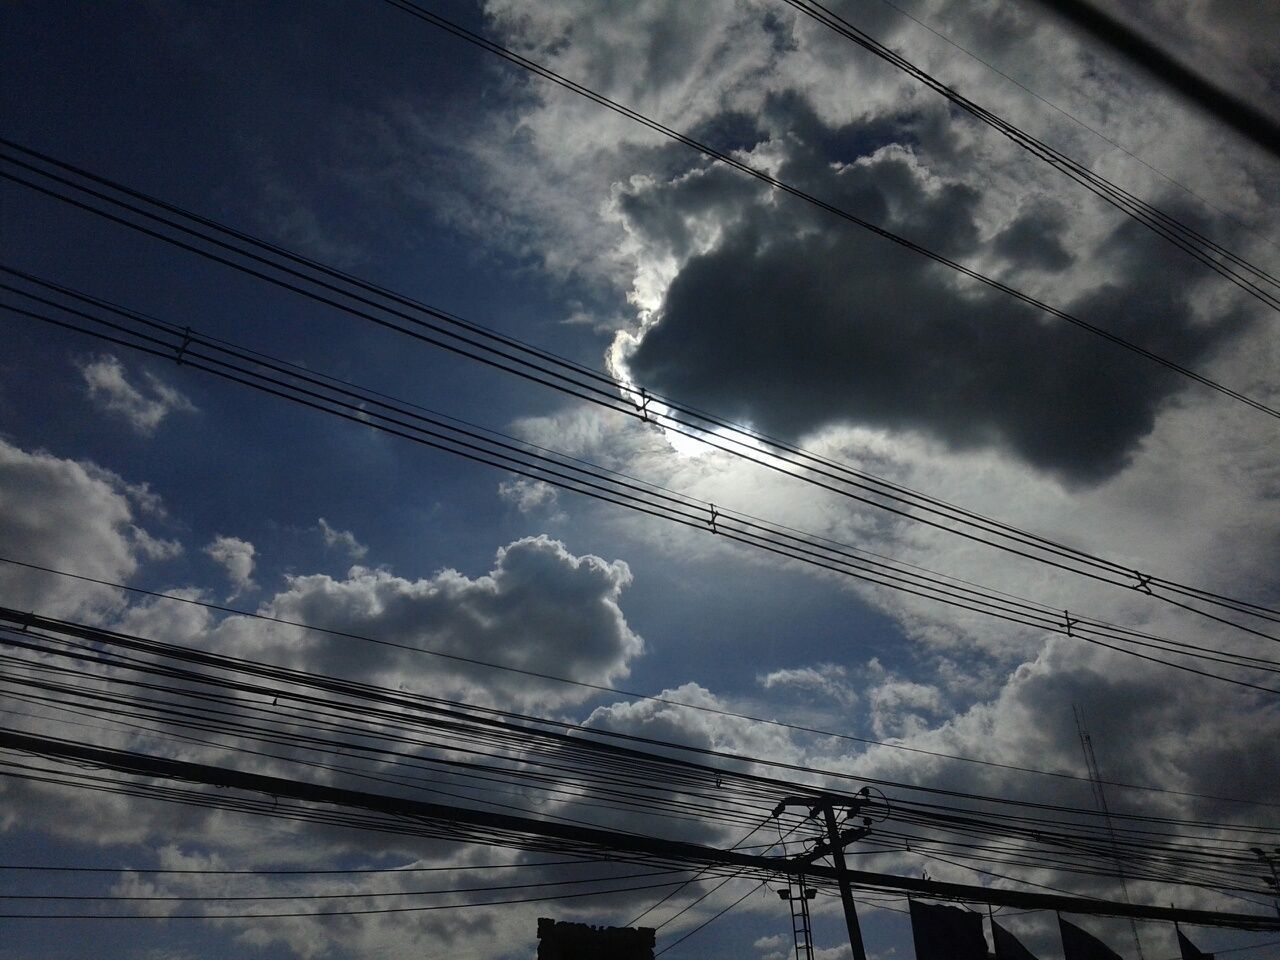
(182, 350)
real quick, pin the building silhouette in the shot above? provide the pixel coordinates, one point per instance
(560, 940)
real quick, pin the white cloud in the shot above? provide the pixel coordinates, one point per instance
(342, 539)
(540, 608)
(235, 557)
(154, 548)
(70, 516)
(527, 495)
(559, 181)
(827, 679)
(144, 408)
(900, 706)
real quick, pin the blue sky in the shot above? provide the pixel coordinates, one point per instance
(358, 137)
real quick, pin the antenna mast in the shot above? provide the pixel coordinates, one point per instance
(1100, 798)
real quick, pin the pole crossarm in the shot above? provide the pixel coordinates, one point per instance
(143, 765)
(825, 847)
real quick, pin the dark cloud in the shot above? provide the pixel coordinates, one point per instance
(794, 321)
(1034, 239)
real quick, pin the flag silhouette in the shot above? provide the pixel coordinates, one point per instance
(1008, 947)
(947, 933)
(1078, 945)
(1190, 951)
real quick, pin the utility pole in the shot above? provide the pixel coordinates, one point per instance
(834, 845)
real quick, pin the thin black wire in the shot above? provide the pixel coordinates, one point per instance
(274, 734)
(669, 506)
(1106, 874)
(918, 840)
(330, 913)
(1105, 854)
(362, 895)
(1106, 871)
(549, 370)
(640, 916)
(711, 919)
(1239, 115)
(1177, 232)
(46, 868)
(934, 819)
(669, 702)
(798, 547)
(1080, 123)
(710, 152)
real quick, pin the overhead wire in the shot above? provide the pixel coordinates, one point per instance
(1171, 228)
(1239, 115)
(668, 777)
(763, 176)
(1078, 122)
(936, 820)
(464, 338)
(603, 484)
(49, 624)
(333, 913)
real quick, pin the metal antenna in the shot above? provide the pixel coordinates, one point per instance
(1100, 798)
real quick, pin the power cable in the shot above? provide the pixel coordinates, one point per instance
(569, 473)
(764, 177)
(1079, 122)
(664, 777)
(711, 920)
(360, 895)
(1177, 232)
(330, 913)
(429, 325)
(48, 623)
(1242, 117)
(807, 548)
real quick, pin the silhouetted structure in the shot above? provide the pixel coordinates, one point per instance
(559, 940)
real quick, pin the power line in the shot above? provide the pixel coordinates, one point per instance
(332, 913)
(1078, 122)
(368, 409)
(405, 725)
(767, 178)
(1176, 231)
(205, 871)
(531, 743)
(464, 338)
(597, 756)
(497, 449)
(640, 916)
(52, 624)
(1242, 117)
(359, 895)
(514, 828)
(711, 919)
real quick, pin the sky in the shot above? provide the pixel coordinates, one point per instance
(362, 138)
